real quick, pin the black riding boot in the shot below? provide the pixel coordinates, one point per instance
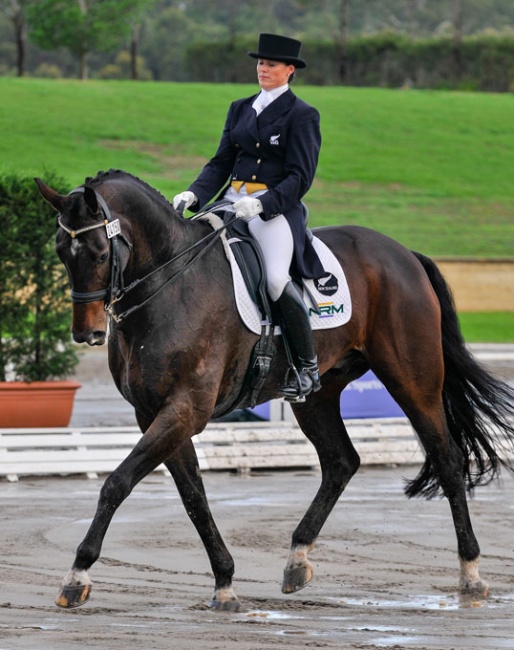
(295, 321)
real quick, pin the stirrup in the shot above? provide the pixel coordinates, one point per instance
(304, 382)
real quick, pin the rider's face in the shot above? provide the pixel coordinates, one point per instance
(273, 74)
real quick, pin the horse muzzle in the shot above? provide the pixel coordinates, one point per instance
(89, 323)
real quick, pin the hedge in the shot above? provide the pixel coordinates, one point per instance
(484, 62)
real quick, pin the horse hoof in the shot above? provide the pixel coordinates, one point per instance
(296, 579)
(75, 590)
(225, 600)
(476, 588)
(225, 606)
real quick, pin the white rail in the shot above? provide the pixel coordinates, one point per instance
(231, 446)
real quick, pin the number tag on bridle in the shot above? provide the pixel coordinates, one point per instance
(113, 228)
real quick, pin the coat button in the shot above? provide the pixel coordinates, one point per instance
(254, 177)
(259, 161)
(258, 144)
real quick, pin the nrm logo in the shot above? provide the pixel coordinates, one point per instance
(326, 310)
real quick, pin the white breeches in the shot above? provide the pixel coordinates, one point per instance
(276, 241)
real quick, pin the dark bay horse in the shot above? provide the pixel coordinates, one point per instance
(178, 353)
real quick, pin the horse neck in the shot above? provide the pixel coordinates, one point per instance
(158, 234)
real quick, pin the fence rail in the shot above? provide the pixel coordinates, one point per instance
(234, 446)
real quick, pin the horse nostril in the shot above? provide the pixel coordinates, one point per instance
(95, 338)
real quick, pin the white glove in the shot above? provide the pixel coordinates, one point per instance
(187, 197)
(246, 208)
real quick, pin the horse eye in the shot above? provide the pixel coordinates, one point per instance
(102, 258)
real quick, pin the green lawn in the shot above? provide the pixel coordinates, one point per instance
(488, 327)
(434, 170)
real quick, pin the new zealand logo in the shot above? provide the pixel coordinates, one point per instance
(327, 285)
(274, 140)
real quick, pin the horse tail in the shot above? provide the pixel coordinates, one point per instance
(479, 408)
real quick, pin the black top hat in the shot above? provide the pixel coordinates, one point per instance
(279, 48)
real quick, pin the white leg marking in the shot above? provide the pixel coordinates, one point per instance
(298, 557)
(76, 578)
(470, 581)
(224, 595)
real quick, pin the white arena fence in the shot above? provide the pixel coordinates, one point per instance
(222, 446)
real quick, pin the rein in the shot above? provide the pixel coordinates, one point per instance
(116, 290)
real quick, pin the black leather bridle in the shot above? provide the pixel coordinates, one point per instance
(112, 227)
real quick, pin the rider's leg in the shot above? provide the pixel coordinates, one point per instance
(296, 321)
(276, 242)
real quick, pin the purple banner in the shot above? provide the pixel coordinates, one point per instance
(367, 397)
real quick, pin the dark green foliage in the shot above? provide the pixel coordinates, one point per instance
(35, 340)
(387, 59)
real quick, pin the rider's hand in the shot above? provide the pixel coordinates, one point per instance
(247, 208)
(187, 198)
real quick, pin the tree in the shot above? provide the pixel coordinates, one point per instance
(82, 26)
(14, 10)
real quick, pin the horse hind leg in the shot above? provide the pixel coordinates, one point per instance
(421, 399)
(444, 467)
(339, 461)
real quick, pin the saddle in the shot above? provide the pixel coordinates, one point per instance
(249, 258)
(327, 299)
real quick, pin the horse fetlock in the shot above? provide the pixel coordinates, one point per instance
(470, 583)
(75, 590)
(225, 600)
(298, 572)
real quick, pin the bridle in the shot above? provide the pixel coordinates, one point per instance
(116, 289)
(112, 227)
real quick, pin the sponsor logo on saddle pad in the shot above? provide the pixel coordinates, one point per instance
(326, 310)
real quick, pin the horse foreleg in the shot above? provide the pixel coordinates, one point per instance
(320, 420)
(186, 473)
(153, 448)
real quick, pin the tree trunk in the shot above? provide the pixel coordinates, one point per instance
(83, 65)
(458, 24)
(18, 20)
(134, 47)
(342, 42)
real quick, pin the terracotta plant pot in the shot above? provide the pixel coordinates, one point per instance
(36, 404)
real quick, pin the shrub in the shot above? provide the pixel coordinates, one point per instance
(35, 340)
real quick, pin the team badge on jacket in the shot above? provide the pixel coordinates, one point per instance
(274, 140)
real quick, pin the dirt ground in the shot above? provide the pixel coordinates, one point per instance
(386, 568)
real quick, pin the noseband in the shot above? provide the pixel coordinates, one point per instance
(113, 231)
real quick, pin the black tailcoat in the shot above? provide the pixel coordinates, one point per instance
(280, 148)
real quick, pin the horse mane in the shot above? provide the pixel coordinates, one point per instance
(102, 176)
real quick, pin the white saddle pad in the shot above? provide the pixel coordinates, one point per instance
(332, 308)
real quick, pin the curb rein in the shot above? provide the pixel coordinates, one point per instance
(116, 290)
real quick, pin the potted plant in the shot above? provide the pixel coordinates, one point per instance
(36, 350)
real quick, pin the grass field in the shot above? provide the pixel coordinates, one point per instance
(434, 170)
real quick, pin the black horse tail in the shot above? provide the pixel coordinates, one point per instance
(479, 407)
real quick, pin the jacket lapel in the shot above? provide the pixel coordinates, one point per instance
(250, 118)
(277, 108)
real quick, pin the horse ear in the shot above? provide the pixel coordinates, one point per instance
(56, 200)
(91, 200)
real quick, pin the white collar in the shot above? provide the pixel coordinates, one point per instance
(265, 97)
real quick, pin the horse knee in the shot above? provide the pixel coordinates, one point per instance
(342, 468)
(114, 491)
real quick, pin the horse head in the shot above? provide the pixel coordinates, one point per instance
(86, 243)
